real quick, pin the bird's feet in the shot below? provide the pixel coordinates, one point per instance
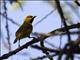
(19, 43)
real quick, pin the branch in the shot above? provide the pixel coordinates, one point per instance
(62, 18)
(9, 19)
(35, 40)
(77, 2)
(56, 31)
(76, 49)
(7, 25)
(44, 56)
(5, 56)
(45, 17)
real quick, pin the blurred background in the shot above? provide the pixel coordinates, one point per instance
(13, 13)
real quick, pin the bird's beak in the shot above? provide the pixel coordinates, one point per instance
(34, 16)
(32, 19)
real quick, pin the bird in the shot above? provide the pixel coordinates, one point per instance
(25, 29)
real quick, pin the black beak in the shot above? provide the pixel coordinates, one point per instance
(34, 16)
(32, 19)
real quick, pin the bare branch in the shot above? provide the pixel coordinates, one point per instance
(35, 40)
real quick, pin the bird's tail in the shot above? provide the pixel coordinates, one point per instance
(15, 41)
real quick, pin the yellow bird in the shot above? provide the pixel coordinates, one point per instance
(25, 29)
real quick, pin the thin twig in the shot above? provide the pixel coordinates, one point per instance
(45, 17)
(63, 18)
(9, 19)
(0, 36)
(7, 25)
(44, 56)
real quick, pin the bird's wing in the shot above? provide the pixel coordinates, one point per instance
(24, 27)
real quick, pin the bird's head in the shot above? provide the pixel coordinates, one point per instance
(29, 19)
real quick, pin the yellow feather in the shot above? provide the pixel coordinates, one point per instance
(25, 29)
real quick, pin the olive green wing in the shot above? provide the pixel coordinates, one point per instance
(24, 31)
